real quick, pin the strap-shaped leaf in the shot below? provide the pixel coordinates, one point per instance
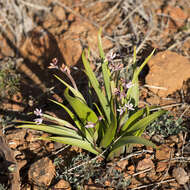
(59, 121)
(143, 123)
(133, 119)
(95, 84)
(133, 92)
(106, 76)
(116, 152)
(74, 142)
(53, 129)
(130, 140)
(110, 130)
(103, 124)
(71, 114)
(74, 91)
(144, 63)
(105, 70)
(85, 114)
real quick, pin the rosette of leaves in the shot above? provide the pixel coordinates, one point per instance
(110, 126)
(9, 78)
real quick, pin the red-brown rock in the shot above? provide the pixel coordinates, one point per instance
(145, 164)
(168, 70)
(42, 172)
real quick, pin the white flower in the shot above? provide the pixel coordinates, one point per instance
(129, 106)
(38, 112)
(110, 56)
(121, 110)
(129, 85)
(38, 121)
(90, 125)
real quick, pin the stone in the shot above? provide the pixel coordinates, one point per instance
(131, 169)
(145, 164)
(17, 102)
(40, 45)
(38, 49)
(93, 186)
(177, 15)
(167, 70)
(62, 184)
(157, 138)
(161, 166)
(59, 12)
(71, 49)
(180, 175)
(16, 138)
(56, 23)
(163, 152)
(80, 33)
(122, 164)
(175, 20)
(42, 172)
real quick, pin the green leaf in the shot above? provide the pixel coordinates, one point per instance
(133, 92)
(132, 119)
(130, 140)
(74, 142)
(144, 63)
(143, 123)
(134, 56)
(73, 90)
(110, 130)
(116, 153)
(53, 129)
(19, 121)
(105, 70)
(85, 114)
(107, 83)
(95, 84)
(71, 114)
(59, 121)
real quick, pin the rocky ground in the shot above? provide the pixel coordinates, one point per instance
(32, 33)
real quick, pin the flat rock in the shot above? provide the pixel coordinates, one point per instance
(145, 164)
(167, 70)
(180, 175)
(62, 184)
(163, 153)
(161, 166)
(42, 172)
(80, 33)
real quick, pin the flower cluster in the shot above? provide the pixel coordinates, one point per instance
(54, 65)
(128, 106)
(65, 69)
(125, 87)
(122, 94)
(110, 56)
(38, 112)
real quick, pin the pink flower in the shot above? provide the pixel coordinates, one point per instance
(121, 110)
(38, 121)
(38, 112)
(53, 64)
(64, 68)
(129, 106)
(116, 91)
(128, 85)
(100, 118)
(110, 56)
(90, 124)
